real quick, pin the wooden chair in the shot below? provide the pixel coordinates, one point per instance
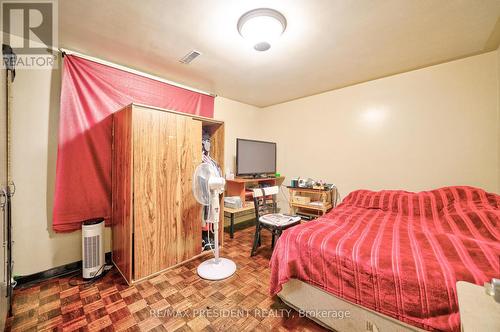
(265, 204)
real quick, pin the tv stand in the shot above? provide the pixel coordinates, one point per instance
(259, 176)
(237, 186)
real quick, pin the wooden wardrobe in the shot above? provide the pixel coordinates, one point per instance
(156, 219)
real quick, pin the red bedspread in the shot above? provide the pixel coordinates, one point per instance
(397, 252)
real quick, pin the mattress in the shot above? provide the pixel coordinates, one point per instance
(398, 253)
(337, 314)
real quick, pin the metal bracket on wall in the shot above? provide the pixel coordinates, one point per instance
(5, 203)
(9, 60)
(8, 191)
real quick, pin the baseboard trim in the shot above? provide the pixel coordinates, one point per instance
(59, 271)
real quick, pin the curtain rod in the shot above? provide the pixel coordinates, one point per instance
(64, 51)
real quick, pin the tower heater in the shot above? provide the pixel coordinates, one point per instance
(93, 248)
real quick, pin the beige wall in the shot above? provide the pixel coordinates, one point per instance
(241, 121)
(419, 130)
(498, 118)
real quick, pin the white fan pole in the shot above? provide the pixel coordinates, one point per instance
(214, 214)
(216, 268)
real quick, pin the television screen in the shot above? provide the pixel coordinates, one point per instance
(255, 157)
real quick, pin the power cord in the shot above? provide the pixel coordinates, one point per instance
(209, 245)
(104, 268)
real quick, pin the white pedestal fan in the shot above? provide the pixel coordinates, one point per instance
(207, 186)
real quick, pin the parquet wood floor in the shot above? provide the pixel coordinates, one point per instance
(177, 300)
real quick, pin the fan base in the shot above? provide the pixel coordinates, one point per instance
(212, 270)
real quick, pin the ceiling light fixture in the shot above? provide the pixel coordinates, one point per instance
(261, 27)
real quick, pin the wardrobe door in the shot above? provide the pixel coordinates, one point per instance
(146, 168)
(167, 218)
(180, 153)
(169, 175)
(189, 133)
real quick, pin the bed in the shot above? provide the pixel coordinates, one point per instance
(395, 254)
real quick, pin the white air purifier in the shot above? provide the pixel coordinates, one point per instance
(92, 248)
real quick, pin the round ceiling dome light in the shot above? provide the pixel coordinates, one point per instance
(261, 27)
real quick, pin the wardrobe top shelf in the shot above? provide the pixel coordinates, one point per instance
(206, 121)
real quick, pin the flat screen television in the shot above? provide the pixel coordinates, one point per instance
(255, 157)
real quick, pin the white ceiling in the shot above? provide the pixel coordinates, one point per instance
(328, 44)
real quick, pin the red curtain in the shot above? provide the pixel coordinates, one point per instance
(90, 93)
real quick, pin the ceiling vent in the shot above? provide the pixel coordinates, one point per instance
(190, 57)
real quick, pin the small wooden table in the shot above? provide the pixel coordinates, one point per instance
(478, 310)
(243, 214)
